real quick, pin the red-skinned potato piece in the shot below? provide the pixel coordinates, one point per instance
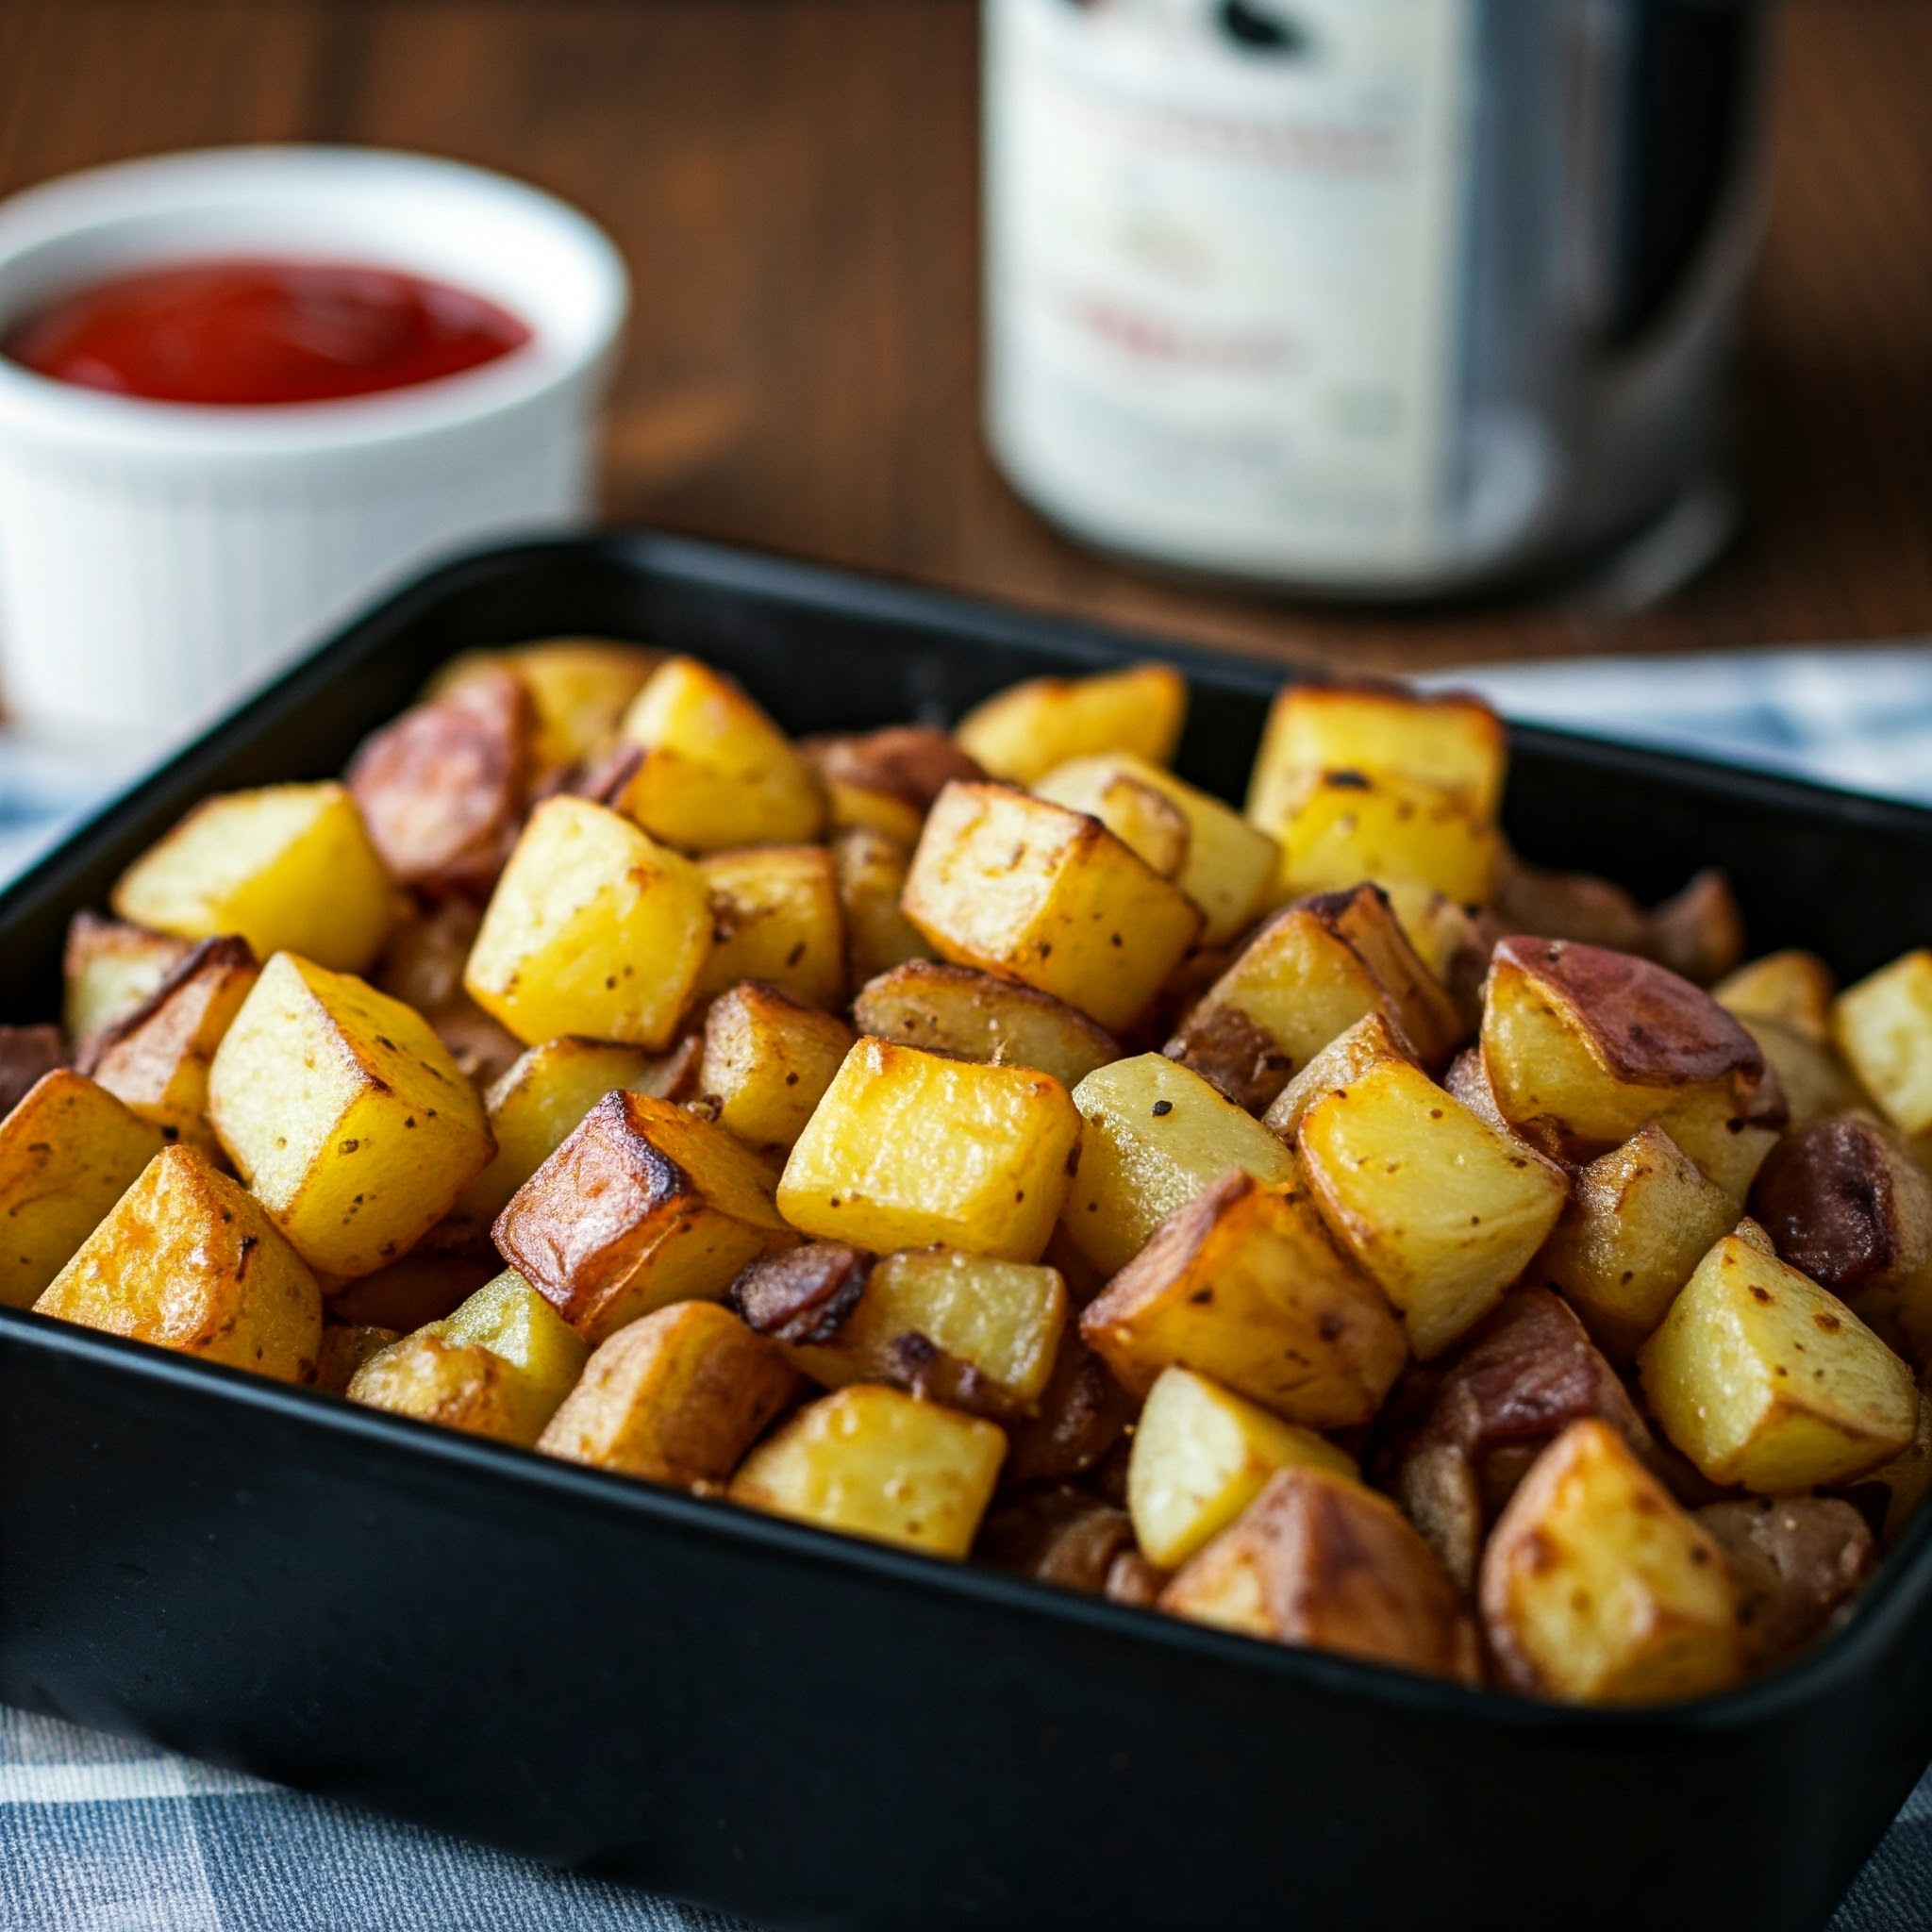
(1796, 1560)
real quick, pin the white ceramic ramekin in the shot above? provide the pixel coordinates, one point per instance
(156, 558)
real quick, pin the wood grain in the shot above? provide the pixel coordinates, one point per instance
(794, 183)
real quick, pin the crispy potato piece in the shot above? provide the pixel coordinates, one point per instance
(1598, 1589)
(1342, 828)
(871, 871)
(974, 1016)
(907, 1148)
(1059, 1536)
(1084, 1415)
(442, 788)
(409, 1294)
(1575, 905)
(1318, 1561)
(1201, 1456)
(110, 968)
(872, 1462)
(768, 1061)
(1640, 1220)
(1019, 887)
(1765, 1380)
(1245, 1284)
(1845, 1205)
(1027, 729)
(344, 1348)
(345, 1114)
(776, 917)
(1438, 1208)
(290, 868)
(675, 1397)
(1796, 1560)
(716, 772)
(1583, 1046)
(1813, 1080)
(508, 1317)
(157, 1057)
(1223, 864)
(593, 930)
(1155, 1135)
(1700, 932)
(1883, 1027)
(1456, 742)
(1451, 941)
(643, 1205)
(68, 1152)
(1346, 1058)
(1794, 989)
(886, 780)
(186, 1260)
(1898, 1486)
(579, 689)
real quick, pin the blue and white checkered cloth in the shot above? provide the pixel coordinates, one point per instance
(101, 1835)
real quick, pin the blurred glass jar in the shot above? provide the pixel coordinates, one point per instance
(1372, 298)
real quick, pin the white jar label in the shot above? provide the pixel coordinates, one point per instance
(1223, 288)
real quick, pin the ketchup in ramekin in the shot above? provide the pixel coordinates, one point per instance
(242, 331)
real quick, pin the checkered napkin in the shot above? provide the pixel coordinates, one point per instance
(101, 1835)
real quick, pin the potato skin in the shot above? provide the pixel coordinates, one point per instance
(1057, 1535)
(1796, 1560)
(27, 1055)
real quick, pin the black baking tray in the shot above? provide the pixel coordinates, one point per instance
(810, 1730)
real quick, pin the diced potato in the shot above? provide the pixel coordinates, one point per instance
(345, 1347)
(1027, 731)
(872, 1462)
(1318, 1561)
(1902, 1483)
(1797, 1561)
(716, 772)
(1019, 887)
(1583, 1046)
(1346, 1058)
(1245, 1284)
(1598, 1589)
(1057, 1535)
(871, 871)
(954, 1009)
(155, 1059)
(1794, 989)
(290, 868)
(186, 1260)
(345, 1114)
(907, 1148)
(409, 1294)
(1765, 1380)
(1455, 742)
(423, 966)
(510, 1319)
(593, 930)
(1148, 822)
(1451, 941)
(1699, 933)
(1570, 905)
(776, 917)
(1438, 1208)
(675, 1397)
(1814, 1080)
(886, 780)
(580, 688)
(643, 1205)
(1201, 1456)
(1342, 829)
(1084, 1416)
(1640, 1220)
(1883, 1027)
(767, 1062)
(68, 1152)
(1155, 1135)
(110, 969)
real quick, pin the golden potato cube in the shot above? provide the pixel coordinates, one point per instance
(907, 1148)
(886, 780)
(1456, 742)
(1901, 1484)
(1201, 1456)
(1640, 1220)
(1883, 1027)
(776, 917)
(871, 871)
(1245, 1284)
(1016, 886)
(1450, 939)
(674, 1397)
(510, 1319)
(768, 1061)
(579, 688)
(1346, 1058)
(457, 1385)
(872, 1462)
(1597, 1589)
(290, 868)
(716, 772)
(975, 1016)
(1816, 1083)
(345, 1114)
(1794, 989)
(1318, 1561)
(1023, 732)
(1151, 825)
(155, 1059)
(1438, 1208)
(68, 1152)
(1763, 1379)
(1156, 1135)
(345, 1346)
(1341, 828)
(643, 1205)
(110, 967)
(593, 930)
(186, 1260)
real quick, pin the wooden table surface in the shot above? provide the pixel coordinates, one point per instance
(795, 184)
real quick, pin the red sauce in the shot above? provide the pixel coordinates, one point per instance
(241, 332)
